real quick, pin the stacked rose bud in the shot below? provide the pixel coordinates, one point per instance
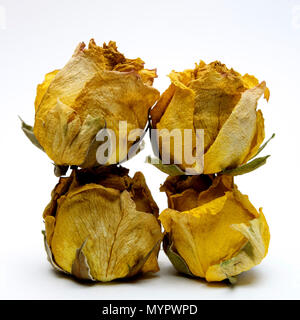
(212, 231)
(100, 224)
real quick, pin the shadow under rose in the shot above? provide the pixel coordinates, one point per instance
(244, 279)
(131, 280)
(247, 278)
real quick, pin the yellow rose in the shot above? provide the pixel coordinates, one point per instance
(96, 89)
(102, 225)
(224, 104)
(212, 231)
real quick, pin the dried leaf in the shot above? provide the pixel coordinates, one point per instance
(28, 130)
(248, 167)
(170, 169)
(263, 146)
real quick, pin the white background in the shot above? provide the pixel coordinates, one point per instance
(258, 37)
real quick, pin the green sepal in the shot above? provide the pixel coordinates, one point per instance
(263, 146)
(247, 167)
(169, 169)
(177, 261)
(233, 280)
(28, 130)
(251, 165)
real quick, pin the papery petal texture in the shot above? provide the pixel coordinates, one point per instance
(104, 223)
(96, 89)
(222, 103)
(213, 225)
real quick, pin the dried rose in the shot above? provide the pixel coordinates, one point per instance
(96, 89)
(102, 225)
(212, 230)
(224, 104)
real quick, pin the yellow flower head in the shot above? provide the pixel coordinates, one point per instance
(212, 230)
(96, 89)
(224, 104)
(102, 225)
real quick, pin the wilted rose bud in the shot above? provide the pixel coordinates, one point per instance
(102, 225)
(96, 89)
(212, 230)
(222, 103)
